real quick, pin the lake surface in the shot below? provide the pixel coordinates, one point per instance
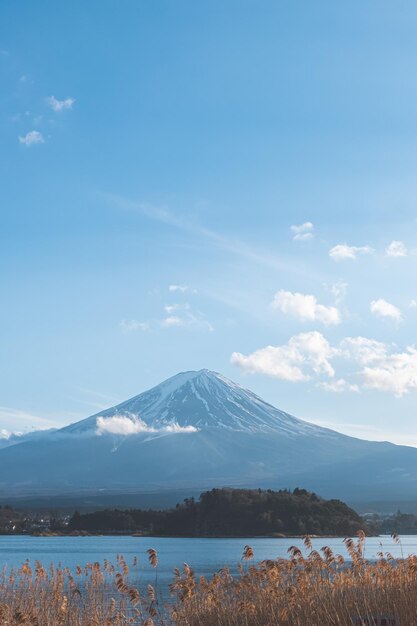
(205, 556)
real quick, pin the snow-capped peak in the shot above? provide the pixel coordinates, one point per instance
(194, 401)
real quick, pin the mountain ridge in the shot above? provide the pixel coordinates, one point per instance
(198, 430)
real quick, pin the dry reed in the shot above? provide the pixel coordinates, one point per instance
(92, 595)
(314, 588)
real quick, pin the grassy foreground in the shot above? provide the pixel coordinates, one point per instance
(315, 589)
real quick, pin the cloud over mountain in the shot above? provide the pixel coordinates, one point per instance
(130, 424)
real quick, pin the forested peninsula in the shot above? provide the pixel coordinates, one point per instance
(231, 513)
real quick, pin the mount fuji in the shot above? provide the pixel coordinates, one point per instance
(199, 430)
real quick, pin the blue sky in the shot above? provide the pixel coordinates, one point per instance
(155, 157)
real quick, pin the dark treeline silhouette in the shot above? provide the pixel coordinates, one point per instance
(400, 523)
(232, 512)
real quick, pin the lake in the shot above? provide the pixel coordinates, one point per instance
(205, 556)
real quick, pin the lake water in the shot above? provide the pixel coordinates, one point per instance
(205, 556)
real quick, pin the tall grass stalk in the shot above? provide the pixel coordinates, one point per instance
(309, 588)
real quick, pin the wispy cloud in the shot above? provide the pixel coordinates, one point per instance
(31, 138)
(305, 307)
(60, 105)
(303, 232)
(182, 289)
(338, 386)
(368, 431)
(96, 399)
(176, 315)
(18, 421)
(338, 290)
(181, 316)
(232, 245)
(343, 252)
(133, 325)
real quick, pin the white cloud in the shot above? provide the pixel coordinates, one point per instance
(173, 321)
(132, 325)
(171, 308)
(338, 386)
(382, 308)
(181, 289)
(396, 373)
(396, 249)
(121, 425)
(59, 105)
(176, 428)
(363, 350)
(305, 307)
(131, 424)
(308, 356)
(304, 354)
(303, 232)
(343, 252)
(383, 369)
(31, 138)
(412, 304)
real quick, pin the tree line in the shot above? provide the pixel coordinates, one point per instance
(231, 512)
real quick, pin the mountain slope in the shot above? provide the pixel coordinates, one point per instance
(199, 430)
(203, 400)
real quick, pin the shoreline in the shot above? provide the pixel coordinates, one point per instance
(158, 536)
